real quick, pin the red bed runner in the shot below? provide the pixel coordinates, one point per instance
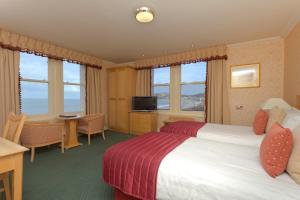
(189, 128)
(132, 166)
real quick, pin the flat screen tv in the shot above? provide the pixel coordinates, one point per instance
(146, 103)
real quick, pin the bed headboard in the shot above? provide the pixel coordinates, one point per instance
(272, 102)
(298, 102)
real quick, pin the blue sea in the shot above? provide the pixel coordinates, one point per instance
(40, 106)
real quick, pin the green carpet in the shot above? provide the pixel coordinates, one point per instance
(74, 175)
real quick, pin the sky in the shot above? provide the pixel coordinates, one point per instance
(36, 67)
(193, 72)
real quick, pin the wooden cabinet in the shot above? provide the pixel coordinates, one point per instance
(143, 122)
(121, 88)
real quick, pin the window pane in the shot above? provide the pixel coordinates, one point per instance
(194, 72)
(192, 97)
(72, 102)
(162, 93)
(161, 75)
(71, 72)
(33, 67)
(34, 98)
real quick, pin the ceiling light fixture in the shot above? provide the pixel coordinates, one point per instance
(144, 15)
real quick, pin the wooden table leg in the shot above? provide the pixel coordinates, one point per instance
(6, 185)
(71, 137)
(17, 178)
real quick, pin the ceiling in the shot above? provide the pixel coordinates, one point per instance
(108, 29)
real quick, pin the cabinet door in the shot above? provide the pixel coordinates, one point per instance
(122, 115)
(112, 84)
(112, 113)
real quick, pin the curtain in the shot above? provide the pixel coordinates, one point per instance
(143, 82)
(205, 54)
(217, 108)
(9, 84)
(93, 90)
(13, 41)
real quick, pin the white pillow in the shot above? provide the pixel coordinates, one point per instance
(276, 115)
(292, 119)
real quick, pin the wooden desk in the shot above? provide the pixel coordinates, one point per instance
(71, 139)
(11, 159)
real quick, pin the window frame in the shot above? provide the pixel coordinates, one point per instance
(31, 80)
(161, 84)
(56, 83)
(81, 85)
(190, 83)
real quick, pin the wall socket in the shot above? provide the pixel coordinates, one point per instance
(239, 107)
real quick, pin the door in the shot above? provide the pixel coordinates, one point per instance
(122, 84)
(112, 84)
(112, 99)
(112, 113)
(122, 115)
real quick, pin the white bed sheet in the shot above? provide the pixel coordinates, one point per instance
(210, 170)
(242, 135)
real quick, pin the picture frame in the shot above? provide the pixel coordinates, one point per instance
(245, 76)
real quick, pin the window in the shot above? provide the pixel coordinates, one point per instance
(34, 84)
(161, 87)
(43, 81)
(74, 89)
(193, 77)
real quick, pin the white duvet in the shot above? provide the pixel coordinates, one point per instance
(242, 135)
(210, 170)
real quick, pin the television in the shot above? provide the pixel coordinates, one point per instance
(144, 103)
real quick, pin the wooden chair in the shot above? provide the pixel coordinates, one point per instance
(13, 127)
(40, 134)
(91, 124)
(12, 132)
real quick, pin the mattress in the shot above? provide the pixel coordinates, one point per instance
(210, 170)
(242, 135)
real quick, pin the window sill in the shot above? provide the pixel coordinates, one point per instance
(196, 114)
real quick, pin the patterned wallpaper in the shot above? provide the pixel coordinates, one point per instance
(270, 54)
(292, 66)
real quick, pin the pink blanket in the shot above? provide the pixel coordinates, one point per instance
(189, 128)
(132, 166)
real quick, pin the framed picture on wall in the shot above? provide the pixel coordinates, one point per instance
(245, 76)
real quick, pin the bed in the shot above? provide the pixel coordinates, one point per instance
(194, 169)
(205, 169)
(223, 164)
(242, 135)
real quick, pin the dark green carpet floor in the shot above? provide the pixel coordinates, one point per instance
(74, 175)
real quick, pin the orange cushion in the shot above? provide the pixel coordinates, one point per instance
(275, 150)
(260, 122)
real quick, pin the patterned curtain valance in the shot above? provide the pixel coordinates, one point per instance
(17, 42)
(207, 54)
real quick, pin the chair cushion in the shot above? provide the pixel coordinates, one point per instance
(260, 122)
(275, 150)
